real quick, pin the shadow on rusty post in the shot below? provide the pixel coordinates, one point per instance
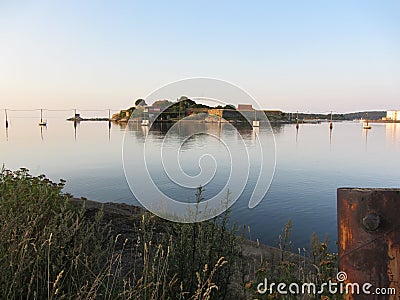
(369, 239)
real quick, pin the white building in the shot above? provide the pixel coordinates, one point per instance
(393, 115)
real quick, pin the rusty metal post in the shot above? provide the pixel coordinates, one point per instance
(369, 238)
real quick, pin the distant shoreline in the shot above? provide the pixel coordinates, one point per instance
(214, 122)
(88, 119)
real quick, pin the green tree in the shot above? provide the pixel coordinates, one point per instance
(140, 102)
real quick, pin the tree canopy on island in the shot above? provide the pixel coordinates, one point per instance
(140, 102)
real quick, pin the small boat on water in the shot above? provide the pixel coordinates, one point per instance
(42, 122)
(256, 123)
(366, 124)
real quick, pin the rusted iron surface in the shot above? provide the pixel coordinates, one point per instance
(369, 238)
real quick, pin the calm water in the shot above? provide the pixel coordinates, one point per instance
(310, 166)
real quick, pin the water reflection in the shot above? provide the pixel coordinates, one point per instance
(109, 130)
(160, 129)
(41, 132)
(309, 169)
(392, 133)
(185, 128)
(75, 125)
(5, 111)
(365, 132)
(277, 127)
(145, 131)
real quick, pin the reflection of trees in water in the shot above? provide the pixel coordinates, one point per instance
(183, 128)
(161, 127)
(186, 128)
(277, 127)
(243, 128)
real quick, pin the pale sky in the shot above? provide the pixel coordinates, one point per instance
(294, 55)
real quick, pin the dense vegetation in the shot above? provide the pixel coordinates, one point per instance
(52, 247)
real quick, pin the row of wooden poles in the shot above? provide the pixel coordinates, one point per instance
(41, 113)
(109, 116)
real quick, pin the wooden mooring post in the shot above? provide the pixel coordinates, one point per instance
(369, 240)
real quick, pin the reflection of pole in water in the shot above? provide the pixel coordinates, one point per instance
(109, 130)
(109, 124)
(5, 111)
(366, 137)
(41, 132)
(297, 134)
(75, 125)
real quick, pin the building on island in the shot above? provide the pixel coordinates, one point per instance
(245, 107)
(246, 113)
(393, 115)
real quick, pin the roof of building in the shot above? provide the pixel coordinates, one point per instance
(245, 107)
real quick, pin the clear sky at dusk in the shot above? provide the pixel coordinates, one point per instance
(290, 55)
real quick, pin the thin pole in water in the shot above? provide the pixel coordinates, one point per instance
(297, 120)
(331, 124)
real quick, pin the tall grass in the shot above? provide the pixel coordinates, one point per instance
(280, 265)
(198, 244)
(51, 249)
(55, 248)
(47, 250)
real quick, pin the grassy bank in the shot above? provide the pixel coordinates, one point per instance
(56, 247)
